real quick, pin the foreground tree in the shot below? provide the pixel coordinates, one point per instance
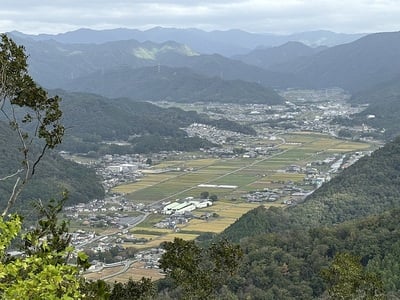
(348, 279)
(42, 271)
(200, 273)
(140, 290)
(35, 117)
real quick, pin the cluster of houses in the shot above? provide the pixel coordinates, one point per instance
(211, 133)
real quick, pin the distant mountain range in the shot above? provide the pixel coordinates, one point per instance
(355, 66)
(227, 43)
(54, 65)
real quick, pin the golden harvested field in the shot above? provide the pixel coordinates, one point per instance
(215, 225)
(156, 241)
(104, 272)
(136, 272)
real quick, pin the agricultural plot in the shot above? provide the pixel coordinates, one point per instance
(156, 241)
(136, 272)
(103, 273)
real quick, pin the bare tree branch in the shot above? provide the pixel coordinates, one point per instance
(12, 175)
(15, 193)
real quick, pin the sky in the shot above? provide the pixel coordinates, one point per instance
(261, 16)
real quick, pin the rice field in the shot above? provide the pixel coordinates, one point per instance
(136, 271)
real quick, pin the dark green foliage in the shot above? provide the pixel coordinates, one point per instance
(33, 117)
(348, 280)
(204, 195)
(155, 143)
(90, 119)
(200, 273)
(141, 290)
(288, 264)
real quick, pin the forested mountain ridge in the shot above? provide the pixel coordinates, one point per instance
(91, 119)
(354, 66)
(52, 63)
(290, 264)
(161, 83)
(287, 52)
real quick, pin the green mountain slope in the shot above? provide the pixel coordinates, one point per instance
(383, 111)
(90, 119)
(52, 64)
(287, 52)
(354, 66)
(289, 264)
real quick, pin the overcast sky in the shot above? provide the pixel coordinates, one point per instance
(274, 16)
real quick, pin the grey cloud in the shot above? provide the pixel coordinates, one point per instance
(252, 15)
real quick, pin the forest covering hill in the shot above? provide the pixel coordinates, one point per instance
(91, 119)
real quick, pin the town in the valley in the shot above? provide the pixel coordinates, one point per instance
(155, 197)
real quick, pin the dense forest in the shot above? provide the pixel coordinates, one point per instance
(91, 119)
